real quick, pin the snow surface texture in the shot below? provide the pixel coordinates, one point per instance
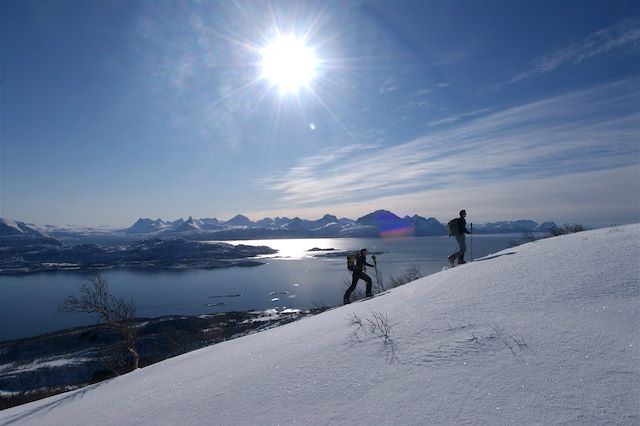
(544, 333)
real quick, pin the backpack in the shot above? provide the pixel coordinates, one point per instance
(351, 262)
(452, 227)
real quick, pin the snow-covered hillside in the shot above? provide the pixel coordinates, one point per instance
(544, 333)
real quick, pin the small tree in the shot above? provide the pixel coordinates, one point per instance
(555, 231)
(528, 236)
(116, 313)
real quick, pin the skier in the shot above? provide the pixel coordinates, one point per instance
(359, 273)
(459, 231)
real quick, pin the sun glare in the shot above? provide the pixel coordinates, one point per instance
(288, 64)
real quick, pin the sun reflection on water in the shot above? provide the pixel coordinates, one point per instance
(292, 248)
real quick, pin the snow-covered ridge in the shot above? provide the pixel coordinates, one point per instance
(12, 227)
(543, 333)
(20, 234)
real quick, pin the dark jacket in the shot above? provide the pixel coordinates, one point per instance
(462, 226)
(361, 261)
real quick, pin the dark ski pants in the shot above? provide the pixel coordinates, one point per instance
(357, 275)
(463, 247)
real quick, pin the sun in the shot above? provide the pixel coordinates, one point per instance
(289, 64)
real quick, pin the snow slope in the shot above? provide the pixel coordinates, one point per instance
(544, 333)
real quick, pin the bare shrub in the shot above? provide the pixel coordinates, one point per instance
(355, 322)
(517, 346)
(412, 273)
(116, 313)
(378, 327)
(555, 231)
(576, 227)
(529, 236)
(115, 359)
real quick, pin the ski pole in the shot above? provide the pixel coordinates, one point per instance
(471, 242)
(375, 266)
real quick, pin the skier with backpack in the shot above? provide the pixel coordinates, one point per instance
(458, 228)
(358, 265)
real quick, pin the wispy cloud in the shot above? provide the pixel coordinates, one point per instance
(585, 197)
(595, 129)
(388, 85)
(623, 33)
(456, 118)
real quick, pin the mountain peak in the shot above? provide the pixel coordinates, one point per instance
(239, 220)
(387, 223)
(146, 225)
(377, 216)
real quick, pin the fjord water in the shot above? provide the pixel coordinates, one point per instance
(294, 278)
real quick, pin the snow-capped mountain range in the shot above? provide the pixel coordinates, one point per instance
(378, 223)
(375, 224)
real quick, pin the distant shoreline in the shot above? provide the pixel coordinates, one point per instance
(152, 254)
(141, 268)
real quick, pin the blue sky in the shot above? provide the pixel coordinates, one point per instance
(114, 110)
